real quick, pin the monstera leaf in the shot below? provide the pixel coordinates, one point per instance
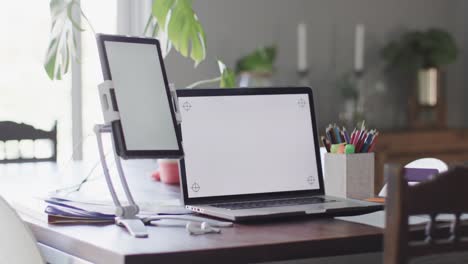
(62, 44)
(173, 22)
(228, 77)
(178, 20)
(152, 29)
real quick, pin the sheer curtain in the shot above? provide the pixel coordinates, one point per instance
(26, 93)
(125, 17)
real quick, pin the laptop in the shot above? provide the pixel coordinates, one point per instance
(253, 153)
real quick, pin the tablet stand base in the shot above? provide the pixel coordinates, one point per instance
(126, 216)
(134, 226)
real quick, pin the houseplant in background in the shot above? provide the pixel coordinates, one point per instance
(425, 53)
(173, 22)
(256, 69)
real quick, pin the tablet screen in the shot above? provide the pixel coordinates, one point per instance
(141, 95)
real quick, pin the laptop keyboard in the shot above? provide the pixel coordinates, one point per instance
(272, 203)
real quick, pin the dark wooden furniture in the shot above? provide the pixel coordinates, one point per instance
(449, 145)
(445, 194)
(427, 117)
(18, 132)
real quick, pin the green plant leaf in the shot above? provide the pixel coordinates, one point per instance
(260, 61)
(153, 29)
(416, 49)
(441, 48)
(161, 9)
(62, 43)
(178, 20)
(228, 77)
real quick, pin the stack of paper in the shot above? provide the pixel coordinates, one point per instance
(67, 210)
(60, 211)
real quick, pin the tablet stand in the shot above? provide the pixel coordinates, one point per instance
(126, 215)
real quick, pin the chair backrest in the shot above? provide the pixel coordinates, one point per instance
(11, 131)
(17, 244)
(445, 193)
(424, 163)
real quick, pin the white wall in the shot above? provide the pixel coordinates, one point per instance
(237, 27)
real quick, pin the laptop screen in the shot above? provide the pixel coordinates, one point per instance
(248, 144)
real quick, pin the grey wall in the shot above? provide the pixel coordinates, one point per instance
(461, 107)
(237, 27)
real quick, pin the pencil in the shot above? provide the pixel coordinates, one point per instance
(346, 135)
(325, 143)
(372, 146)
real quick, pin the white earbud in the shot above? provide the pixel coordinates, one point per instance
(207, 227)
(201, 228)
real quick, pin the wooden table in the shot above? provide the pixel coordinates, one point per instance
(255, 242)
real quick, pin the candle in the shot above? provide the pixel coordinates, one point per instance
(359, 48)
(302, 47)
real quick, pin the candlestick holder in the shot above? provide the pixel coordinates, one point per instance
(359, 81)
(352, 86)
(303, 77)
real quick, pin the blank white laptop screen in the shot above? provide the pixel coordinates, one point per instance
(248, 144)
(141, 96)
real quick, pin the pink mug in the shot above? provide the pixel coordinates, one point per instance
(168, 171)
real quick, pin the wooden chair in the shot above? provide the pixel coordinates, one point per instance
(445, 193)
(18, 132)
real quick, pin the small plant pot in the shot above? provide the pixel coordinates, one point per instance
(254, 79)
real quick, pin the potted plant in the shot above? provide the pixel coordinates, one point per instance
(256, 68)
(174, 23)
(425, 53)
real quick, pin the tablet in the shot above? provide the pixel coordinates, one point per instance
(147, 127)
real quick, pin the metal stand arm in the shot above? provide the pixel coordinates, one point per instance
(126, 216)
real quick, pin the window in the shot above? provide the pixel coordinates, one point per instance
(26, 93)
(103, 16)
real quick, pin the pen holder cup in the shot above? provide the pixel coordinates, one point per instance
(349, 175)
